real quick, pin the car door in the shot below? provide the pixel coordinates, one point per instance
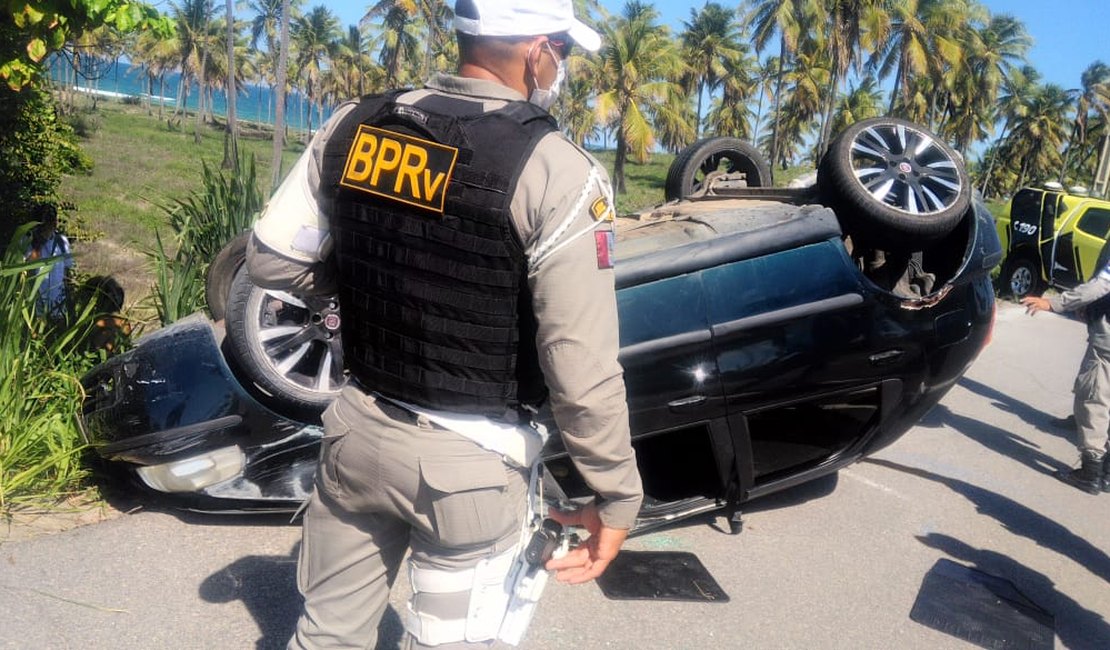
(794, 334)
(1081, 246)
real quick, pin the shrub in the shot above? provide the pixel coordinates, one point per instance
(35, 150)
(40, 388)
(203, 223)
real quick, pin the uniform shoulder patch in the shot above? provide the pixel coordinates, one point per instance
(604, 240)
(399, 167)
(600, 209)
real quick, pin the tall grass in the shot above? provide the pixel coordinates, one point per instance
(41, 362)
(203, 223)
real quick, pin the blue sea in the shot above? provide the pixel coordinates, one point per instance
(253, 103)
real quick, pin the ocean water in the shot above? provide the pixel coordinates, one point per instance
(254, 102)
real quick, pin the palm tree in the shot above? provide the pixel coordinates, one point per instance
(989, 55)
(1093, 94)
(789, 19)
(353, 70)
(315, 34)
(400, 36)
(1038, 137)
(906, 50)
(574, 110)
(633, 69)
(231, 136)
(730, 114)
(862, 102)
(851, 27)
(159, 55)
(279, 100)
(1017, 95)
(710, 39)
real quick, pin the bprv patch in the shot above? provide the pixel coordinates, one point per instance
(399, 167)
(604, 240)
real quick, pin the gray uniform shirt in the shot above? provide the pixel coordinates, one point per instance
(561, 202)
(1098, 328)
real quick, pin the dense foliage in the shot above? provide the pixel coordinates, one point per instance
(32, 29)
(36, 148)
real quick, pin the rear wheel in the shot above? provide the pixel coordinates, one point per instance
(288, 346)
(692, 167)
(1020, 277)
(221, 273)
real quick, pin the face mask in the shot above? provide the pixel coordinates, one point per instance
(545, 99)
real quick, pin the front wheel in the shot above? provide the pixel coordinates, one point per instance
(1020, 278)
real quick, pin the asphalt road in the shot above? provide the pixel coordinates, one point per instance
(836, 564)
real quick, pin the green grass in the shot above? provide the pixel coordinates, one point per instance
(140, 165)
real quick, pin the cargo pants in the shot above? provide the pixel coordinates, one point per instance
(1092, 401)
(390, 481)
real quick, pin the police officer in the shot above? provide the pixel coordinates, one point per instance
(1092, 384)
(470, 245)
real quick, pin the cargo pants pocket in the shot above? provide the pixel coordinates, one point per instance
(336, 432)
(470, 503)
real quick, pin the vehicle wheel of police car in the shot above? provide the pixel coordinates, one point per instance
(289, 347)
(221, 273)
(1020, 277)
(688, 172)
(894, 184)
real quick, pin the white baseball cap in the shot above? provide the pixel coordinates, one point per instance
(526, 18)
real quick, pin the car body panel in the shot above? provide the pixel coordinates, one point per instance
(756, 355)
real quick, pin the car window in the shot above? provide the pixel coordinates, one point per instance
(1051, 202)
(1026, 205)
(1095, 222)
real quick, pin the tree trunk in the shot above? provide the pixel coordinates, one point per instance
(231, 137)
(619, 160)
(279, 101)
(776, 122)
(993, 157)
(697, 127)
(826, 118)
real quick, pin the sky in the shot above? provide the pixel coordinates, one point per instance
(1068, 35)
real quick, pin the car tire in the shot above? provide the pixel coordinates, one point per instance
(688, 171)
(288, 347)
(893, 184)
(221, 273)
(1020, 277)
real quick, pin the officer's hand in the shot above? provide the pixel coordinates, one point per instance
(589, 559)
(1034, 304)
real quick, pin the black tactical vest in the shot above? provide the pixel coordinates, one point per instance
(432, 275)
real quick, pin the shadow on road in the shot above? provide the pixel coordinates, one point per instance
(1018, 519)
(1031, 416)
(267, 585)
(1077, 627)
(996, 439)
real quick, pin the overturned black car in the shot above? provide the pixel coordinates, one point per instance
(769, 337)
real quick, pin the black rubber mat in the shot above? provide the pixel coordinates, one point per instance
(981, 609)
(660, 575)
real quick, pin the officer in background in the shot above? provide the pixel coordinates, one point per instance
(470, 245)
(1092, 384)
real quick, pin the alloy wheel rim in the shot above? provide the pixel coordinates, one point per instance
(299, 339)
(905, 169)
(1021, 281)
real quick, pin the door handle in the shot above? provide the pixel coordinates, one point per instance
(886, 357)
(687, 402)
